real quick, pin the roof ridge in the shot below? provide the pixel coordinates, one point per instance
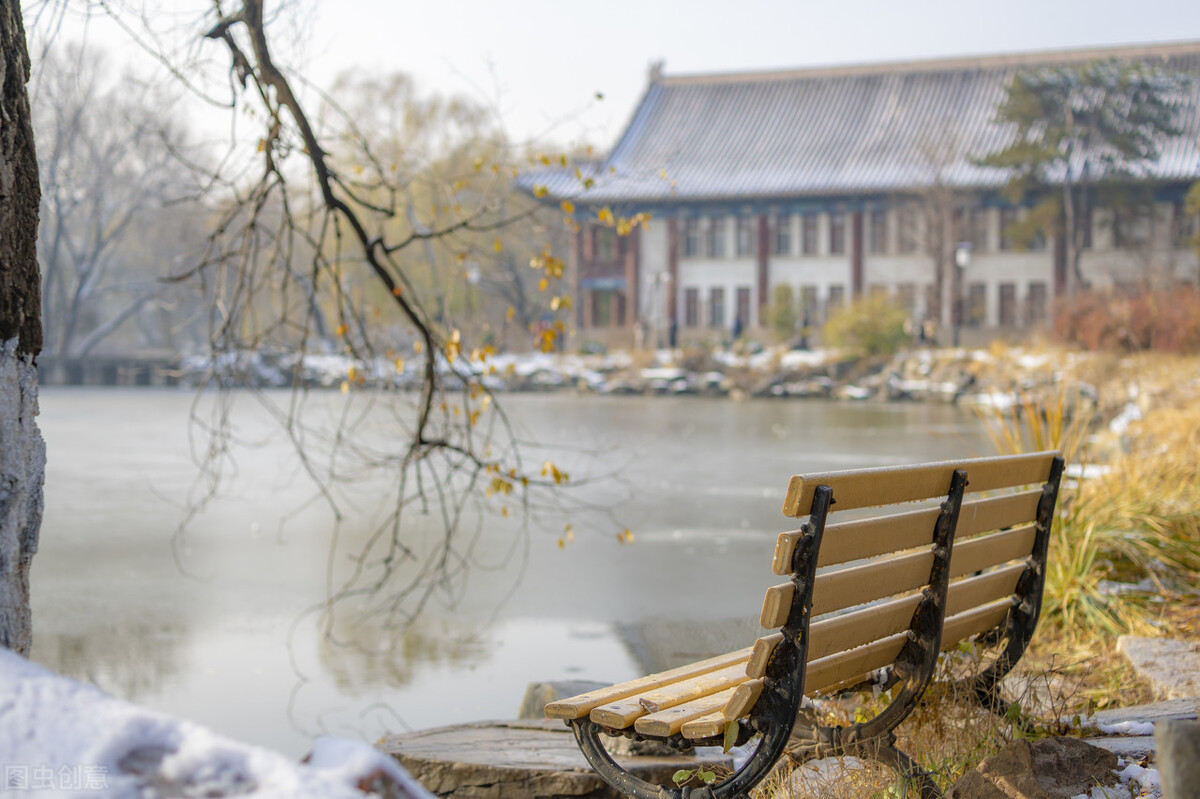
(947, 63)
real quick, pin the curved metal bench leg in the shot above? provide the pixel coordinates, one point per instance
(737, 785)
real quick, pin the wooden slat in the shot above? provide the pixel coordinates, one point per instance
(776, 605)
(738, 707)
(981, 515)
(972, 591)
(579, 706)
(977, 554)
(963, 625)
(862, 488)
(707, 726)
(671, 720)
(785, 548)
(867, 538)
(876, 580)
(680, 692)
(623, 712)
(849, 630)
(756, 666)
(829, 671)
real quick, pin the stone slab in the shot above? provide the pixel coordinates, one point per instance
(1156, 711)
(1133, 747)
(525, 759)
(1171, 666)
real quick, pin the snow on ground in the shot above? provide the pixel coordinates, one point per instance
(59, 737)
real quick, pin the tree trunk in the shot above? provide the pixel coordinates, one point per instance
(22, 451)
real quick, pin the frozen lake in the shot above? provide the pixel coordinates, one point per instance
(214, 628)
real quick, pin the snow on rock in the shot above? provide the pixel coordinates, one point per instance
(59, 737)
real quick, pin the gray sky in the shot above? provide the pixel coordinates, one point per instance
(546, 60)
(541, 63)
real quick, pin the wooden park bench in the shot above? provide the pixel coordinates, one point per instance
(876, 596)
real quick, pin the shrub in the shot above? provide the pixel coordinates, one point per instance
(782, 313)
(872, 325)
(1132, 320)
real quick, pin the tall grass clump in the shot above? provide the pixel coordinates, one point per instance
(872, 325)
(1127, 533)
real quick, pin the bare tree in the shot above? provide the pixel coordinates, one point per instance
(22, 452)
(112, 186)
(325, 223)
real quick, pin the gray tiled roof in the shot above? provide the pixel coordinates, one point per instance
(838, 131)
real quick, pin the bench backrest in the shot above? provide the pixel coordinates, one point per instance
(876, 578)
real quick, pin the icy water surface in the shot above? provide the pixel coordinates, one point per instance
(213, 628)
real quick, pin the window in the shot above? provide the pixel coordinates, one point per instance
(808, 305)
(781, 235)
(604, 243)
(691, 307)
(745, 235)
(877, 238)
(976, 304)
(808, 238)
(979, 230)
(1185, 227)
(1008, 304)
(691, 238)
(907, 236)
(716, 237)
(602, 308)
(743, 305)
(837, 233)
(837, 298)
(716, 307)
(1131, 228)
(1008, 219)
(1035, 303)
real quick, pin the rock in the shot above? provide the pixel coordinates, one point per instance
(540, 694)
(518, 760)
(1053, 768)
(1178, 757)
(1172, 667)
(1132, 747)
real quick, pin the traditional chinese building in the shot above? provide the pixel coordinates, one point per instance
(845, 180)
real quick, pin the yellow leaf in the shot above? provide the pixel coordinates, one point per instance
(399, 362)
(262, 145)
(396, 292)
(662, 173)
(561, 543)
(504, 511)
(605, 216)
(542, 284)
(567, 206)
(510, 313)
(352, 374)
(341, 330)
(497, 246)
(540, 191)
(478, 164)
(418, 346)
(345, 387)
(562, 160)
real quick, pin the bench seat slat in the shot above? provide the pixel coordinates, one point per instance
(623, 712)
(670, 721)
(756, 666)
(887, 485)
(830, 671)
(576, 707)
(976, 554)
(739, 705)
(878, 579)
